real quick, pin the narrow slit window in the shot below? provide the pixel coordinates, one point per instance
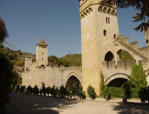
(114, 35)
(104, 32)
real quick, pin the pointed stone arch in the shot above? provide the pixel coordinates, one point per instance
(118, 76)
(71, 79)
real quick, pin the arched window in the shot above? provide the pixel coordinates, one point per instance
(109, 56)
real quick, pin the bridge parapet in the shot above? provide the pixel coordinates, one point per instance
(110, 68)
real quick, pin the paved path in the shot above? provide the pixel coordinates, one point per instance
(23, 104)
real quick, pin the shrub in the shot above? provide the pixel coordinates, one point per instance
(17, 90)
(91, 92)
(126, 93)
(113, 91)
(54, 91)
(43, 90)
(29, 90)
(144, 94)
(75, 89)
(62, 91)
(82, 94)
(48, 89)
(35, 90)
(22, 89)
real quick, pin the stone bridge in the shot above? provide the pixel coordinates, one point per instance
(113, 72)
(50, 76)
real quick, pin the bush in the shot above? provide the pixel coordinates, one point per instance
(48, 89)
(91, 92)
(114, 92)
(17, 90)
(134, 92)
(22, 89)
(126, 93)
(81, 94)
(75, 89)
(54, 91)
(43, 90)
(35, 90)
(144, 94)
(62, 91)
(29, 90)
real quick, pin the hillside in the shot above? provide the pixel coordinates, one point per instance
(16, 57)
(67, 60)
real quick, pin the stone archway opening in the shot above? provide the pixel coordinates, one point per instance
(109, 56)
(118, 82)
(73, 80)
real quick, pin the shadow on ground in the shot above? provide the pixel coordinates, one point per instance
(132, 108)
(24, 104)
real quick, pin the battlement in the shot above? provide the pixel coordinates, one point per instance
(87, 6)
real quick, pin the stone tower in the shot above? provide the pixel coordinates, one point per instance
(28, 63)
(99, 28)
(147, 36)
(42, 53)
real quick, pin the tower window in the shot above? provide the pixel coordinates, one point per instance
(104, 32)
(42, 58)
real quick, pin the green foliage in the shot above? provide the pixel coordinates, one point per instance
(114, 92)
(62, 91)
(144, 94)
(125, 56)
(74, 89)
(126, 93)
(71, 60)
(91, 92)
(3, 31)
(81, 94)
(43, 90)
(54, 91)
(35, 90)
(67, 60)
(138, 77)
(53, 60)
(103, 87)
(22, 89)
(48, 89)
(29, 90)
(7, 76)
(142, 11)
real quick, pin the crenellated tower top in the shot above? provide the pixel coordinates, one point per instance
(86, 6)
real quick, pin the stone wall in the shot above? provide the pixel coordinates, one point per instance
(50, 76)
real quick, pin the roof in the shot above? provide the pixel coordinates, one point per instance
(42, 43)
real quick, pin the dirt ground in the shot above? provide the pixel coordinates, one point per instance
(24, 104)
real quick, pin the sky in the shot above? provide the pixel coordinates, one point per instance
(55, 21)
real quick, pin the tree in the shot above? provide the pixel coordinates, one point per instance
(138, 77)
(103, 87)
(91, 92)
(142, 7)
(126, 93)
(6, 79)
(3, 31)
